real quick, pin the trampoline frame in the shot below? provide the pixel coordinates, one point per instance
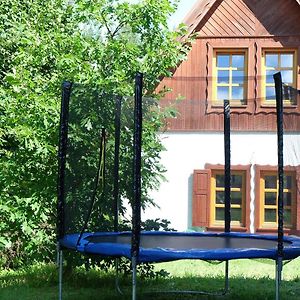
(136, 208)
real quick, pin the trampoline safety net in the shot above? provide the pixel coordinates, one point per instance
(96, 158)
(91, 137)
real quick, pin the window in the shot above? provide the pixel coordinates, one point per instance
(269, 199)
(230, 70)
(208, 198)
(208, 205)
(283, 61)
(238, 194)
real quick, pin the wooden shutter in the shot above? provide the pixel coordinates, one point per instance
(201, 197)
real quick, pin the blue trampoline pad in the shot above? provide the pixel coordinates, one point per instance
(157, 246)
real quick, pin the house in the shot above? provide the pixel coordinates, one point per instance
(239, 45)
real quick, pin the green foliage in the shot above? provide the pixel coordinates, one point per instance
(42, 43)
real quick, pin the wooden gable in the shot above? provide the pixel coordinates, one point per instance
(251, 18)
(270, 17)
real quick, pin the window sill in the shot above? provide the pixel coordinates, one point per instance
(218, 108)
(263, 107)
(273, 105)
(273, 230)
(221, 228)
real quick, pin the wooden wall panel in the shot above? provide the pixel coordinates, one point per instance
(276, 20)
(230, 18)
(193, 77)
(251, 18)
(244, 24)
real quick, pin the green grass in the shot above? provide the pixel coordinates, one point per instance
(249, 280)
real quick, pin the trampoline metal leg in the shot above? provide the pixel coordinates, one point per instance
(60, 268)
(278, 276)
(117, 277)
(134, 277)
(226, 277)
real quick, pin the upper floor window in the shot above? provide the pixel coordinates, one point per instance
(230, 70)
(283, 61)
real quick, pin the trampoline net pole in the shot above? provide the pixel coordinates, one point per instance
(227, 164)
(279, 112)
(137, 157)
(116, 162)
(62, 151)
(137, 144)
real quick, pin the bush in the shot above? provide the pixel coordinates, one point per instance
(44, 42)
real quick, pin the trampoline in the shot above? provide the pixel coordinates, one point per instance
(168, 246)
(74, 210)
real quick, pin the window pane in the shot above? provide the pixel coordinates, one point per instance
(219, 214)
(223, 77)
(287, 216)
(236, 214)
(272, 60)
(270, 215)
(270, 182)
(236, 198)
(287, 182)
(287, 60)
(287, 76)
(223, 93)
(269, 76)
(220, 180)
(270, 198)
(238, 61)
(287, 199)
(220, 197)
(270, 93)
(237, 93)
(236, 181)
(238, 77)
(223, 61)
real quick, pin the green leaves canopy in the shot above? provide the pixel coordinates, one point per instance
(42, 43)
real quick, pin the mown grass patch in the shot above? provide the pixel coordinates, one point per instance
(249, 280)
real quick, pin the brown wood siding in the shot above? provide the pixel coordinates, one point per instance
(251, 18)
(234, 24)
(231, 18)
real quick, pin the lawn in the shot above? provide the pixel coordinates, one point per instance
(249, 279)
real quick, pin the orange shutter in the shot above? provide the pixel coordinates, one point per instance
(201, 197)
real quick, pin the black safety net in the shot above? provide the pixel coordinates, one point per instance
(99, 160)
(96, 129)
(96, 158)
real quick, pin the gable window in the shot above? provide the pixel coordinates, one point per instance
(269, 199)
(237, 198)
(230, 69)
(283, 61)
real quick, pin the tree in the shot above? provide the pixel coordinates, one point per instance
(102, 42)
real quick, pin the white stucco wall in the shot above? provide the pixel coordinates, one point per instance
(186, 152)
